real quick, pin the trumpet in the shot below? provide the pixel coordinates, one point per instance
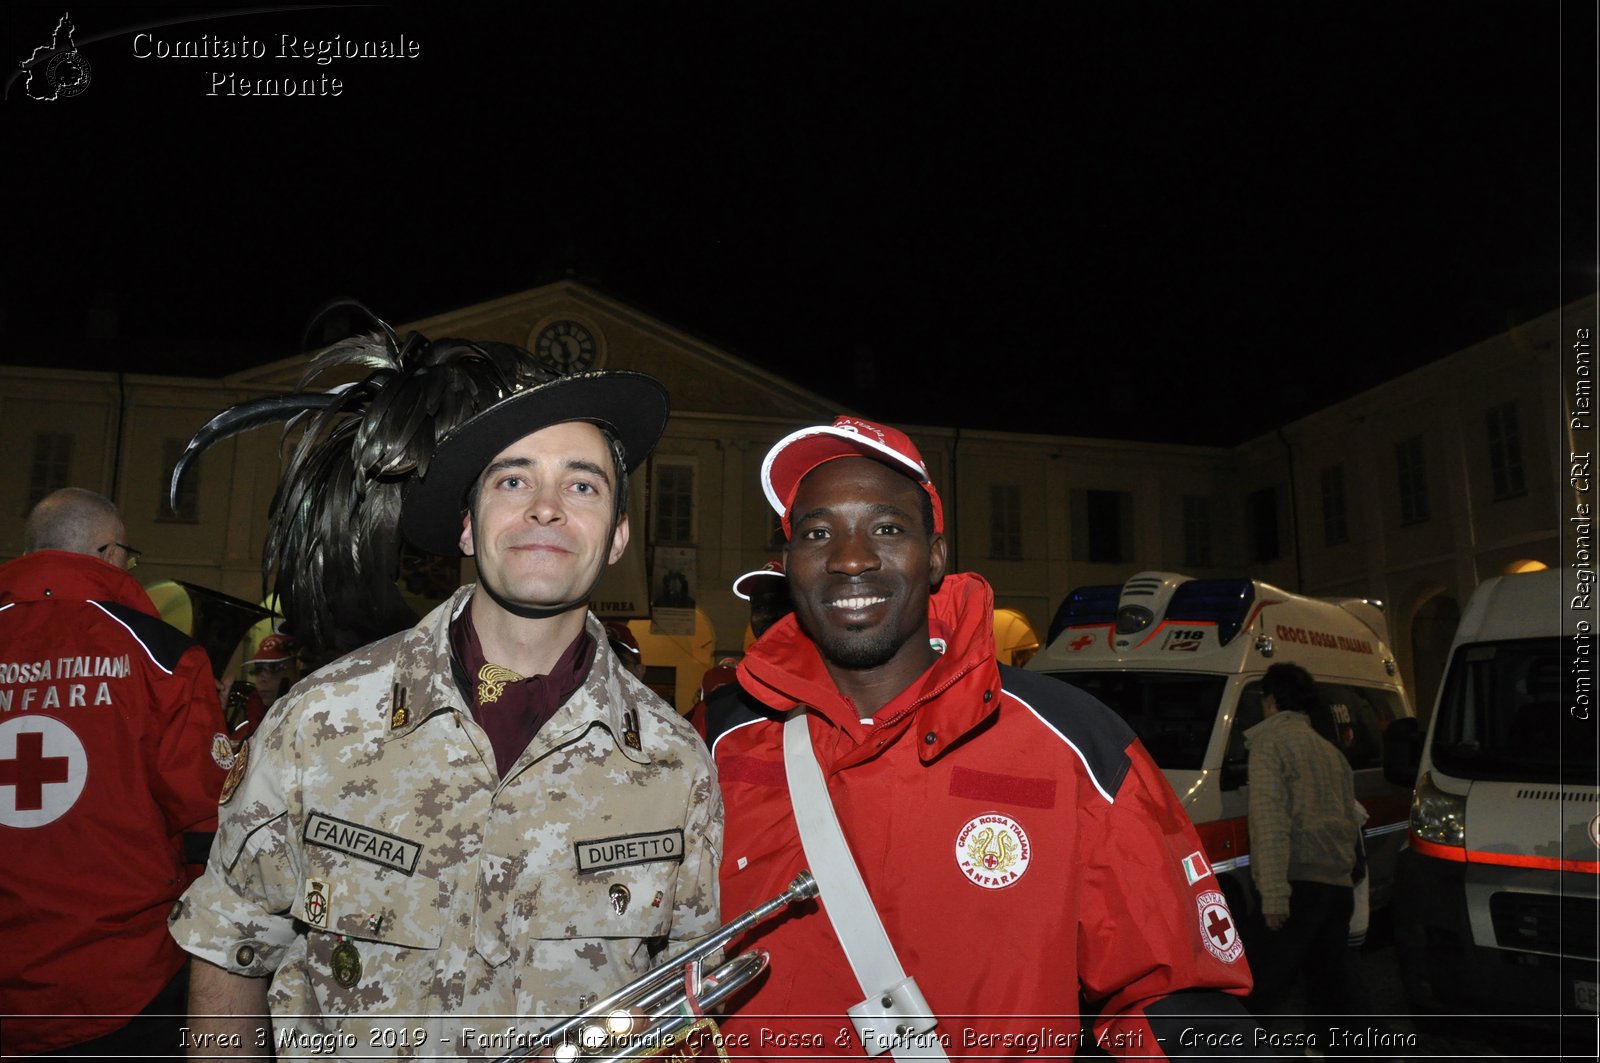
(672, 995)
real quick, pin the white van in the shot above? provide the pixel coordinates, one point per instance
(1496, 900)
(1181, 661)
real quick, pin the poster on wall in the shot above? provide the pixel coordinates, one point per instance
(623, 592)
(672, 591)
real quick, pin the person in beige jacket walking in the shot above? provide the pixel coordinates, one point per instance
(1305, 829)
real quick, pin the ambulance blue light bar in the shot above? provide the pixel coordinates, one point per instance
(1225, 602)
(1085, 605)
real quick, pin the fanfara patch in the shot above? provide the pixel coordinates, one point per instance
(364, 843)
(241, 757)
(993, 850)
(222, 751)
(1217, 928)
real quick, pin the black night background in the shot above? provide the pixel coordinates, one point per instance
(1158, 221)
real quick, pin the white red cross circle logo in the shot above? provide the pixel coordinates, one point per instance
(43, 767)
(993, 850)
(1217, 929)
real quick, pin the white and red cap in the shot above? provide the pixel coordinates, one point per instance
(745, 584)
(796, 454)
(274, 648)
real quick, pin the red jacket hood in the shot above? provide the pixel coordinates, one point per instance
(784, 668)
(73, 577)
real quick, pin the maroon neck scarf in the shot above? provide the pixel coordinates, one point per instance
(511, 708)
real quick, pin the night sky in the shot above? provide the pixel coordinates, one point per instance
(1179, 222)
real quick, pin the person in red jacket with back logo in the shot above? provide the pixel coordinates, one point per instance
(1039, 885)
(111, 758)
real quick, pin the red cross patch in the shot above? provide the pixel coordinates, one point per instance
(43, 768)
(1218, 932)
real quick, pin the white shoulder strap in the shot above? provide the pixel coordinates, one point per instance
(894, 1017)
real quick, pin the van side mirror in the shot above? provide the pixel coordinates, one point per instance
(1235, 773)
(1402, 751)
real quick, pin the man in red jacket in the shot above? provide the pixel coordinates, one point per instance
(111, 759)
(1035, 876)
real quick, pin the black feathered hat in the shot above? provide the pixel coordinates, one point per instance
(333, 549)
(631, 405)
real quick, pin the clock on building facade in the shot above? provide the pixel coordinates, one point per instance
(569, 344)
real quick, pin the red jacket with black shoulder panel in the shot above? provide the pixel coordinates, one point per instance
(111, 759)
(1030, 863)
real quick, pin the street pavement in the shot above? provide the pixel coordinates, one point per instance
(1397, 1034)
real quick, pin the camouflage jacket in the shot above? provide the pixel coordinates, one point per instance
(407, 902)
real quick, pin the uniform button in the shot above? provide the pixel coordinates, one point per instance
(988, 695)
(930, 738)
(245, 956)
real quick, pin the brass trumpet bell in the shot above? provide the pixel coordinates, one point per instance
(672, 995)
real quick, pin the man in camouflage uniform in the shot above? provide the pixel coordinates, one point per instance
(428, 854)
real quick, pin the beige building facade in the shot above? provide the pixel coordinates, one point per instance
(1411, 492)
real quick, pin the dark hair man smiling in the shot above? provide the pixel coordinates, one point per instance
(974, 798)
(507, 822)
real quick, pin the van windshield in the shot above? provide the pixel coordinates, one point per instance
(1171, 712)
(1503, 715)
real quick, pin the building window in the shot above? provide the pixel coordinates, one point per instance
(1263, 510)
(1102, 526)
(1335, 518)
(52, 465)
(1412, 480)
(1005, 522)
(188, 510)
(674, 502)
(1196, 531)
(1505, 451)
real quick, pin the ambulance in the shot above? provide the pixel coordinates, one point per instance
(1496, 898)
(1181, 661)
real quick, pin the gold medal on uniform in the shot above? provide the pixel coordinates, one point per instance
(346, 964)
(235, 774)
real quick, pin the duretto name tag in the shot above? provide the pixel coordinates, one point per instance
(363, 843)
(628, 849)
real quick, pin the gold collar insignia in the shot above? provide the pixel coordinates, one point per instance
(492, 680)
